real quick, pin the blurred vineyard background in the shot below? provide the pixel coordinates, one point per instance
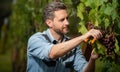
(19, 19)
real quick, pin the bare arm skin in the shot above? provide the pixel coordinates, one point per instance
(61, 49)
(90, 67)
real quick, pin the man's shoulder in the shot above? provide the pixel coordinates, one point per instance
(37, 35)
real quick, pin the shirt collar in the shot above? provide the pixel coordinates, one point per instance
(52, 38)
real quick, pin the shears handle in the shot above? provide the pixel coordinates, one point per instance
(92, 42)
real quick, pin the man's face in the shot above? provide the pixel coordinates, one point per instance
(60, 23)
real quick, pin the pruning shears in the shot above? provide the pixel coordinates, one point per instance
(90, 38)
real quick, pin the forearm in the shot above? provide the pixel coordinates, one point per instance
(90, 67)
(61, 49)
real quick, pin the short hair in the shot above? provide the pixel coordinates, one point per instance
(49, 10)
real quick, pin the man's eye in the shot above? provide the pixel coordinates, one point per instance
(62, 19)
(67, 18)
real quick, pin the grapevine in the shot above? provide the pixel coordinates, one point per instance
(104, 16)
(108, 39)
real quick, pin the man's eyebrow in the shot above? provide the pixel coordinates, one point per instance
(64, 18)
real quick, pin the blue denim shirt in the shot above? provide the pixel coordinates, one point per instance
(39, 46)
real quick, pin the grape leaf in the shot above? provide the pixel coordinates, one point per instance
(114, 15)
(108, 9)
(82, 28)
(116, 45)
(106, 22)
(80, 9)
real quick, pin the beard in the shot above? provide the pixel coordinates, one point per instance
(62, 31)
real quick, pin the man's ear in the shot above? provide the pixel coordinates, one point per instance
(49, 23)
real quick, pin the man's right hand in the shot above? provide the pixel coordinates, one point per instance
(96, 34)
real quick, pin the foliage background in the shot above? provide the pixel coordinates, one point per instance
(26, 19)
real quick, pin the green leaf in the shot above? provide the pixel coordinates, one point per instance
(117, 46)
(101, 2)
(102, 9)
(82, 28)
(83, 0)
(119, 24)
(106, 21)
(96, 23)
(114, 15)
(80, 9)
(108, 9)
(91, 3)
(100, 48)
(88, 3)
(92, 15)
(67, 1)
(79, 14)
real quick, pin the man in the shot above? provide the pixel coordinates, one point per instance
(52, 51)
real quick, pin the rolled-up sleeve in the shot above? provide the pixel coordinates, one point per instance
(39, 47)
(80, 61)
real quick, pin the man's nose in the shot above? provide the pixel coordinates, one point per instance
(66, 22)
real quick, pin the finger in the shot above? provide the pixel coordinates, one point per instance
(97, 34)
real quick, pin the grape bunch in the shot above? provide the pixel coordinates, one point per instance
(108, 39)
